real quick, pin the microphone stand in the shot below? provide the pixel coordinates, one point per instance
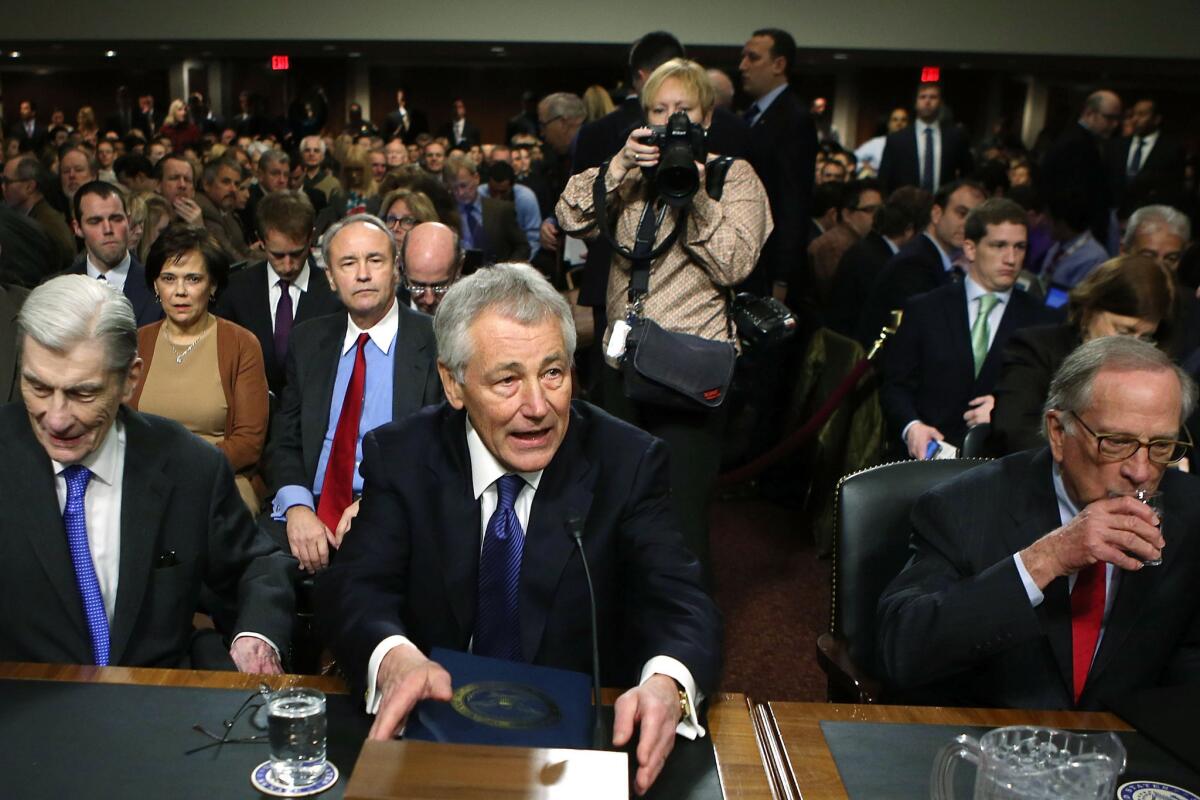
(601, 740)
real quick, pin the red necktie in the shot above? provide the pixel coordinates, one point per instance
(337, 493)
(1087, 612)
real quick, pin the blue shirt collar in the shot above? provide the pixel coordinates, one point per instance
(765, 101)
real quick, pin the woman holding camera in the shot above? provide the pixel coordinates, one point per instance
(715, 247)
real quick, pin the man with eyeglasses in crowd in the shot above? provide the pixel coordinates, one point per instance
(1042, 580)
(432, 263)
(273, 296)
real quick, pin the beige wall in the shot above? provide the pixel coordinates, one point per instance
(1153, 28)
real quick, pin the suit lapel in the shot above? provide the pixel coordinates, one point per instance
(458, 537)
(564, 493)
(30, 476)
(957, 335)
(1035, 512)
(312, 299)
(145, 491)
(324, 374)
(408, 368)
(258, 310)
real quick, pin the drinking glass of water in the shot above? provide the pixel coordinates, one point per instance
(1154, 499)
(296, 728)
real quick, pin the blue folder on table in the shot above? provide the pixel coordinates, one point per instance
(506, 703)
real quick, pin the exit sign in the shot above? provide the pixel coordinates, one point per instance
(928, 74)
(279, 62)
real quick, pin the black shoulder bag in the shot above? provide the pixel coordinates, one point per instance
(661, 367)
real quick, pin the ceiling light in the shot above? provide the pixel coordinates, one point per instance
(16, 54)
(110, 53)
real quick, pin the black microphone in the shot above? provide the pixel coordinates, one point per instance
(600, 737)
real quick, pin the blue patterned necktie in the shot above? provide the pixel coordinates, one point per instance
(497, 617)
(75, 522)
(474, 227)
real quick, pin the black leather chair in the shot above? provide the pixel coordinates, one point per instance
(975, 443)
(870, 548)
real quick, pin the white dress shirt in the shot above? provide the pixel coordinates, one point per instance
(974, 292)
(296, 289)
(1067, 511)
(1148, 141)
(115, 277)
(485, 471)
(937, 152)
(102, 510)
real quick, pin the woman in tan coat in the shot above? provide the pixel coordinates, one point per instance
(204, 372)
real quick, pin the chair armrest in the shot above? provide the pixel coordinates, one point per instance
(847, 681)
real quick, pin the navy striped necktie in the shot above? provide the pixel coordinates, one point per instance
(497, 615)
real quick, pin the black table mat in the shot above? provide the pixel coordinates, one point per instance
(61, 740)
(886, 760)
(1167, 716)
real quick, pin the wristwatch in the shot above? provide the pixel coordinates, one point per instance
(685, 705)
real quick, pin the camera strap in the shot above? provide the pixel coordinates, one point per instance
(600, 202)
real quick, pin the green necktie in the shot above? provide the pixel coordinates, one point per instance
(980, 332)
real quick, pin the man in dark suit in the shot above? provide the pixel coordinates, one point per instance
(1148, 166)
(512, 458)
(404, 122)
(926, 153)
(904, 213)
(150, 512)
(255, 298)
(939, 371)
(102, 222)
(1030, 586)
(783, 151)
(31, 133)
(926, 262)
(24, 179)
(345, 375)
(1077, 163)
(459, 132)
(489, 224)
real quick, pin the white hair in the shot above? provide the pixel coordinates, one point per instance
(516, 291)
(69, 309)
(316, 139)
(1152, 216)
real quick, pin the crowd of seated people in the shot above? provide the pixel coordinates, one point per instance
(312, 298)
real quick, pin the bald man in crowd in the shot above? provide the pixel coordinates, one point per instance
(432, 263)
(1076, 164)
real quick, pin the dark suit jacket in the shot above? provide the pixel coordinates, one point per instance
(470, 134)
(901, 165)
(146, 308)
(411, 564)
(417, 124)
(855, 278)
(11, 298)
(35, 142)
(1028, 364)
(783, 151)
(178, 497)
(928, 370)
(298, 427)
(57, 231)
(956, 626)
(917, 268)
(1160, 180)
(247, 302)
(1076, 166)
(26, 252)
(505, 241)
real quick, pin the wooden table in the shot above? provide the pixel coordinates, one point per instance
(739, 758)
(801, 765)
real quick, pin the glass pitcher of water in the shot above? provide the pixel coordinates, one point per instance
(1026, 763)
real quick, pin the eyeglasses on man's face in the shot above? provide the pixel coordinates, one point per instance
(419, 289)
(1120, 446)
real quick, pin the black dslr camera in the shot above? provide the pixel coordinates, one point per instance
(680, 143)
